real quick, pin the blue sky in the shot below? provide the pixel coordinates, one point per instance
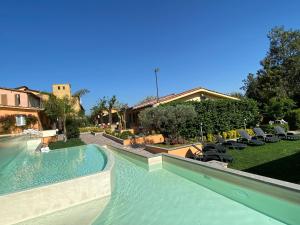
(111, 47)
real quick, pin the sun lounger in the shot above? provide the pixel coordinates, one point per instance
(260, 134)
(213, 152)
(280, 132)
(230, 144)
(247, 139)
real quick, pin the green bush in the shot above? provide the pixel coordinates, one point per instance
(125, 135)
(72, 128)
(90, 129)
(219, 116)
(69, 143)
(294, 119)
(8, 123)
(268, 128)
(168, 120)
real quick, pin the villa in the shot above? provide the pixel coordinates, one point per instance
(195, 94)
(22, 102)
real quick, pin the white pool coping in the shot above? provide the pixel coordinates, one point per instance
(28, 204)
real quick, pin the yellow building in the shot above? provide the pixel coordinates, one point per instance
(195, 94)
(63, 90)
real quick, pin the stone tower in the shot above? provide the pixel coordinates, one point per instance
(61, 90)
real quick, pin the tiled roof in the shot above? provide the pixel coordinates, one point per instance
(173, 96)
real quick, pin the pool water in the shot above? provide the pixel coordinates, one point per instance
(23, 168)
(159, 198)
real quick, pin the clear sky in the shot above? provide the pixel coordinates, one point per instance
(111, 47)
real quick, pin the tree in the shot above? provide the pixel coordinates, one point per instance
(99, 109)
(121, 112)
(167, 119)
(81, 92)
(60, 109)
(110, 105)
(279, 76)
(278, 108)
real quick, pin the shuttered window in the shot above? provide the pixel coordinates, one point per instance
(3, 99)
(17, 100)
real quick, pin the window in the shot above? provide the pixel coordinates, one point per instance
(63, 87)
(3, 99)
(17, 100)
(20, 120)
(58, 87)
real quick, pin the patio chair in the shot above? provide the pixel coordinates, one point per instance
(216, 147)
(212, 152)
(247, 139)
(280, 132)
(260, 134)
(230, 143)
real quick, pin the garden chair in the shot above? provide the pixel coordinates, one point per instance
(212, 152)
(260, 134)
(280, 132)
(247, 139)
(230, 143)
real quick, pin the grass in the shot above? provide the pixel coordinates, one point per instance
(277, 160)
(69, 143)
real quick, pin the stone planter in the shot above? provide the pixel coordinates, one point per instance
(183, 151)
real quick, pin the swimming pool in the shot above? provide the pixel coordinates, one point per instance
(22, 168)
(163, 197)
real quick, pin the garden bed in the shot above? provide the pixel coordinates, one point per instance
(150, 139)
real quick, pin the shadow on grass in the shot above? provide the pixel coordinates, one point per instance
(286, 168)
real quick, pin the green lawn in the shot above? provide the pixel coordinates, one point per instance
(277, 160)
(69, 143)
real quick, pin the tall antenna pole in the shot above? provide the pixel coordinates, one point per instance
(156, 70)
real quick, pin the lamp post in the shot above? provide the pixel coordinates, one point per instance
(201, 131)
(156, 70)
(245, 124)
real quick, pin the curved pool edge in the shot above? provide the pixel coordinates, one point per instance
(35, 202)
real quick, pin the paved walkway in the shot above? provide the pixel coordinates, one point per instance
(101, 140)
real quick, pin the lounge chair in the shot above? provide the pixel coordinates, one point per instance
(247, 139)
(260, 134)
(216, 147)
(280, 132)
(230, 144)
(212, 152)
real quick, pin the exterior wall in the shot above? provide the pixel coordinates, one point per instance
(19, 111)
(61, 90)
(11, 97)
(183, 151)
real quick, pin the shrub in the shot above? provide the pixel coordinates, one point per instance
(69, 143)
(250, 132)
(169, 120)
(31, 120)
(268, 128)
(125, 135)
(8, 122)
(219, 116)
(90, 129)
(294, 119)
(72, 128)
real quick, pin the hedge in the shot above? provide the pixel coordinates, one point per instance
(219, 116)
(294, 119)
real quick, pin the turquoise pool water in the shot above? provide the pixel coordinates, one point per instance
(160, 198)
(22, 168)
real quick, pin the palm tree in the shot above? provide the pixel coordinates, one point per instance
(111, 104)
